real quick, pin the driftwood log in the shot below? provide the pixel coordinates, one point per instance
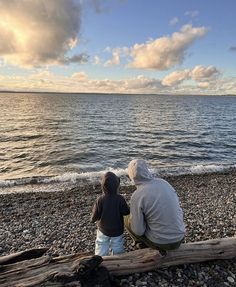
(23, 255)
(61, 271)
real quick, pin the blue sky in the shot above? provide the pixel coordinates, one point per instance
(125, 46)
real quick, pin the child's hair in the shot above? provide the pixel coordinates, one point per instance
(110, 182)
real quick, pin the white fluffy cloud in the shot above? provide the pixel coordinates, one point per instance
(204, 85)
(165, 52)
(115, 60)
(175, 78)
(39, 32)
(141, 84)
(80, 76)
(117, 53)
(198, 74)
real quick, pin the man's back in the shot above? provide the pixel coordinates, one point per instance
(154, 207)
(156, 212)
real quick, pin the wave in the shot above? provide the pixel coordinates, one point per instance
(19, 138)
(94, 177)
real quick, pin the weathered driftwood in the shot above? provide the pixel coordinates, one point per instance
(148, 259)
(43, 271)
(22, 255)
(61, 271)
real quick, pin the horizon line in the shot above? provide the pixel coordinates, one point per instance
(111, 93)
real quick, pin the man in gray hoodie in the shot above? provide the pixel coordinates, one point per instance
(156, 218)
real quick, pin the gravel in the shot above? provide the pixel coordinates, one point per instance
(60, 221)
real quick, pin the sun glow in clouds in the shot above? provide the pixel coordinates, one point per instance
(37, 33)
(44, 47)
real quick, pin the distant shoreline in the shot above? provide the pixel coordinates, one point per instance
(100, 93)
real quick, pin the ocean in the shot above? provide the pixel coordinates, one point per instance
(50, 139)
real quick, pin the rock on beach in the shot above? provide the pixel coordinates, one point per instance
(60, 221)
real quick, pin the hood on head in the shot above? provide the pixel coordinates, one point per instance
(110, 183)
(138, 171)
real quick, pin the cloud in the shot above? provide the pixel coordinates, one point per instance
(81, 59)
(203, 85)
(175, 78)
(36, 33)
(174, 21)
(232, 49)
(100, 6)
(2, 62)
(191, 14)
(41, 75)
(96, 60)
(117, 53)
(115, 60)
(142, 83)
(80, 82)
(165, 52)
(199, 74)
(80, 76)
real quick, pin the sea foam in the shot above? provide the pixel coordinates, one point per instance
(74, 178)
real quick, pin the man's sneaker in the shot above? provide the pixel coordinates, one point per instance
(133, 243)
(162, 252)
(140, 245)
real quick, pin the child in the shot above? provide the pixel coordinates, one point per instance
(108, 212)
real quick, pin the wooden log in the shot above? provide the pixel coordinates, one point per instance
(61, 271)
(43, 271)
(148, 259)
(22, 255)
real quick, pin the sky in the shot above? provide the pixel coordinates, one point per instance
(118, 46)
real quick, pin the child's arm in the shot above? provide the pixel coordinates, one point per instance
(124, 207)
(96, 211)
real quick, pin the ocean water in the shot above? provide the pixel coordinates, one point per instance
(54, 138)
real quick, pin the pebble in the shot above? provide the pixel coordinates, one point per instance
(230, 279)
(61, 221)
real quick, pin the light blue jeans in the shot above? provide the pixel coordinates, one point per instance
(105, 243)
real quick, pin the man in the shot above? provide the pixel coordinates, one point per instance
(156, 218)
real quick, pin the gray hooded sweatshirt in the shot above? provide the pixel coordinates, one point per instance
(154, 206)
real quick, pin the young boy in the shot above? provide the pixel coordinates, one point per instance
(108, 212)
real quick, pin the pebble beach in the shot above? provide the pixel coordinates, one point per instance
(61, 221)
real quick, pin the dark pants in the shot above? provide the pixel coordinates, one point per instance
(143, 239)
